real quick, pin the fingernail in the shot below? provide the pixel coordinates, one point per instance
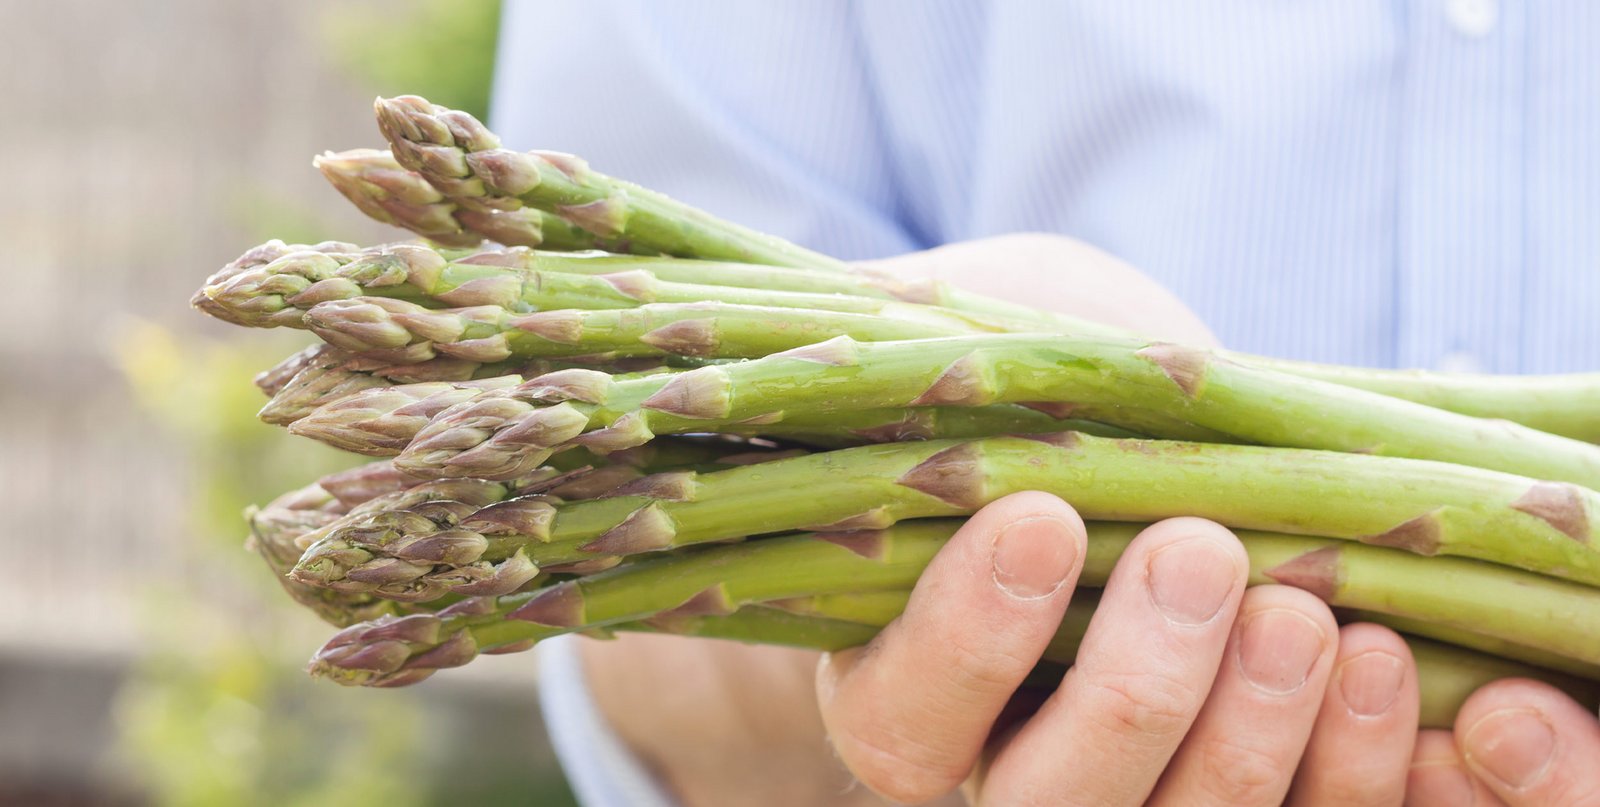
(1278, 648)
(1033, 556)
(1370, 683)
(1512, 745)
(1191, 579)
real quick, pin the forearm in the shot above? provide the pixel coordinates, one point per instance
(738, 725)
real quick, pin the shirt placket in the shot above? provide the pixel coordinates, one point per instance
(1461, 227)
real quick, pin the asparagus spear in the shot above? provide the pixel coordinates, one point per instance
(858, 578)
(378, 186)
(462, 158)
(583, 475)
(1116, 377)
(275, 294)
(1446, 674)
(1559, 404)
(1426, 507)
(381, 422)
(383, 326)
(254, 259)
(324, 374)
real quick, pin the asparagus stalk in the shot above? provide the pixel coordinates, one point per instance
(1559, 404)
(1425, 507)
(382, 422)
(851, 578)
(1120, 379)
(324, 374)
(583, 475)
(462, 158)
(1446, 675)
(378, 496)
(383, 326)
(275, 294)
(378, 186)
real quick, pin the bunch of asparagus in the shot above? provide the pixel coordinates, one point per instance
(602, 410)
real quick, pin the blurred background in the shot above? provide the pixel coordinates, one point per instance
(145, 656)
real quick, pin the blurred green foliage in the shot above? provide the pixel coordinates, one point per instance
(440, 49)
(217, 714)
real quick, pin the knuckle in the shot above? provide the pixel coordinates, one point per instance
(897, 764)
(1150, 707)
(984, 675)
(1239, 773)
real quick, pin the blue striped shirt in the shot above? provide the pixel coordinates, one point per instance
(1376, 182)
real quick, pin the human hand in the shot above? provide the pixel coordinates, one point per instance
(1515, 742)
(1188, 689)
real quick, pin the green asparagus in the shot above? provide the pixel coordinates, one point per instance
(1120, 379)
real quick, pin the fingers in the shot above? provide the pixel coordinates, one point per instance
(1438, 777)
(909, 713)
(1530, 744)
(1361, 747)
(1247, 741)
(1143, 670)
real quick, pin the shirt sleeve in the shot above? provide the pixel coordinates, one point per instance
(601, 769)
(760, 112)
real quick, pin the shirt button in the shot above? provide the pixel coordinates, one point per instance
(1459, 361)
(1474, 18)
